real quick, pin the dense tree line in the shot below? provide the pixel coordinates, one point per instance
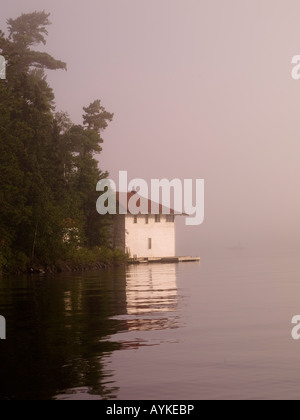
(48, 170)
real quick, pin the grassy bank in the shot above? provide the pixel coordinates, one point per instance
(89, 259)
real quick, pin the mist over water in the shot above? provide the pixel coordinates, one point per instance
(197, 94)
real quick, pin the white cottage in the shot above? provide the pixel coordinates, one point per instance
(144, 236)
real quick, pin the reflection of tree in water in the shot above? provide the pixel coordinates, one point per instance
(57, 330)
(61, 332)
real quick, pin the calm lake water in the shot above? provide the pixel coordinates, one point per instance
(220, 329)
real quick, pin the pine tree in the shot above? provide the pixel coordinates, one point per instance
(48, 166)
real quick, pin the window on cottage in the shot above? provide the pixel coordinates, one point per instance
(147, 220)
(149, 243)
(135, 219)
(170, 218)
(157, 218)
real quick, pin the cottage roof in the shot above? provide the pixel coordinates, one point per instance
(124, 198)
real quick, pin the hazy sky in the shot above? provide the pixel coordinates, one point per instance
(200, 89)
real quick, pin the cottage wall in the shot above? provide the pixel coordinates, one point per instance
(140, 237)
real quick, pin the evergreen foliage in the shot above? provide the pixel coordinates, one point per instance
(48, 170)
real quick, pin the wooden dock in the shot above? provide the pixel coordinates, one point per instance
(165, 260)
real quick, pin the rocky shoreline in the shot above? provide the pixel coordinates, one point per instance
(66, 268)
(72, 268)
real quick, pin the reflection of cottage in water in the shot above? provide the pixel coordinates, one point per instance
(151, 289)
(151, 299)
